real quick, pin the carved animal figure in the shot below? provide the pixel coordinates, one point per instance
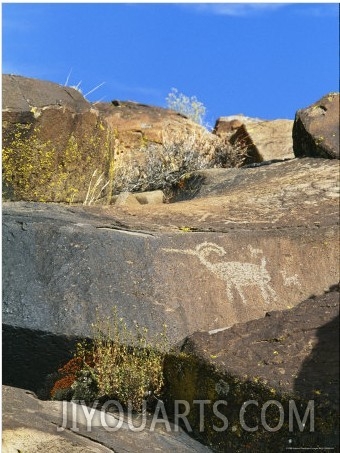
(236, 274)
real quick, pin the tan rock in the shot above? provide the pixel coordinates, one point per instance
(152, 197)
(272, 139)
(126, 199)
(261, 140)
(137, 127)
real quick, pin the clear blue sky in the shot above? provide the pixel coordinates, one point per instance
(262, 60)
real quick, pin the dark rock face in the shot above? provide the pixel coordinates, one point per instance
(30, 355)
(316, 129)
(280, 347)
(60, 263)
(287, 355)
(247, 244)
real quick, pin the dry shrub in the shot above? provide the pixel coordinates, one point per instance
(181, 152)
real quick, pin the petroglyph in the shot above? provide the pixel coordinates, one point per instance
(237, 275)
(254, 252)
(291, 280)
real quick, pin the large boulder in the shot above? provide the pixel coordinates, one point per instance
(53, 142)
(260, 140)
(149, 141)
(316, 129)
(285, 360)
(138, 125)
(247, 243)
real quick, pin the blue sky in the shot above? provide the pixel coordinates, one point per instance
(261, 60)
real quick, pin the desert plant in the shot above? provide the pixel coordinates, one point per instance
(118, 364)
(180, 153)
(188, 106)
(79, 89)
(94, 191)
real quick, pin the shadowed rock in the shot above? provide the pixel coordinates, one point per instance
(316, 129)
(288, 358)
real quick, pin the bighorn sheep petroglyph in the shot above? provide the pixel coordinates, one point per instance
(235, 274)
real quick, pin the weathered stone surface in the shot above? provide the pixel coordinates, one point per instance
(246, 245)
(316, 129)
(292, 194)
(30, 425)
(279, 218)
(286, 355)
(272, 139)
(261, 140)
(136, 198)
(53, 141)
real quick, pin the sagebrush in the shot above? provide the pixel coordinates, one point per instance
(180, 153)
(188, 106)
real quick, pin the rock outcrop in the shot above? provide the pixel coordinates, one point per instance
(261, 140)
(31, 425)
(57, 147)
(287, 356)
(137, 126)
(247, 244)
(316, 129)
